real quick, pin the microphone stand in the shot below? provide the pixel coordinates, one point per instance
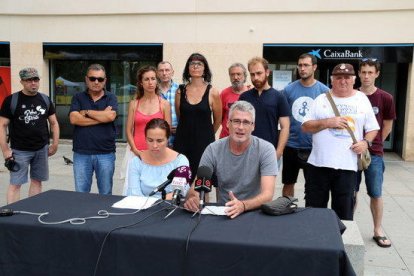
(175, 203)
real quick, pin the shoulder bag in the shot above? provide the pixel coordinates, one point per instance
(364, 159)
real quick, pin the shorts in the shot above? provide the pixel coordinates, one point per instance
(374, 177)
(38, 162)
(293, 161)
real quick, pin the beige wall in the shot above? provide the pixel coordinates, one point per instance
(28, 54)
(219, 56)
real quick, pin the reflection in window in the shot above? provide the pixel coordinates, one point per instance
(68, 78)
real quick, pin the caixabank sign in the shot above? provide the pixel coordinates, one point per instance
(392, 53)
(333, 53)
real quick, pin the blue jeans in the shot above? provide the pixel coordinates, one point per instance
(102, 164)
(374, 176)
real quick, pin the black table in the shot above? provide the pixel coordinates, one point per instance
(304, 243)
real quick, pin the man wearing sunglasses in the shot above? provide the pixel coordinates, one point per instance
(93, 113)
(26, 114)
(384, 110)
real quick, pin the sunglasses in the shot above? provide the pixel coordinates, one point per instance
(32, 80)
(93, 79)
(369, 59)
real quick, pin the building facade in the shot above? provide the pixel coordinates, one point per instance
(62, 38)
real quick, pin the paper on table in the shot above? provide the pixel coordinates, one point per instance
(214, 210)
(135, 202)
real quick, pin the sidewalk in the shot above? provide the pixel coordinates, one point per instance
(398, 194)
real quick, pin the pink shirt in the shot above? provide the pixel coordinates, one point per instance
(140, 121)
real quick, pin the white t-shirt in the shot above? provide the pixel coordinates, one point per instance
(332, 147)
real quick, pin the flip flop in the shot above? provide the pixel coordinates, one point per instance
(378, 240)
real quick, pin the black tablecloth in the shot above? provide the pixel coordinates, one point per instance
(304, 243)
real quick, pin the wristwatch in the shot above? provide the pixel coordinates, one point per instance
(369, 143)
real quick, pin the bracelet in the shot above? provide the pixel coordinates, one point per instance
(244, 206)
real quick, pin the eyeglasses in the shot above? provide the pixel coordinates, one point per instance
(237, 122)
(93, 79)
(196, 64)
(32, 80)
(303, 65)
(369, 59)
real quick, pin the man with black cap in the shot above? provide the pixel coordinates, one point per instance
(26, 114)
(333, 160)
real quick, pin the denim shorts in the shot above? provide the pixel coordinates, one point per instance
(36, 160)
(374, 176)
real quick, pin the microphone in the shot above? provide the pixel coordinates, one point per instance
(164, 184)
(203, 182)
(179, 183)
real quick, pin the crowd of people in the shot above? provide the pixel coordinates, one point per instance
(171, 125)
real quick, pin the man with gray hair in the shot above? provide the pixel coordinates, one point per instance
(333, 159)
(245, 165)
(231, 94)
(93, 113)
(168, 88)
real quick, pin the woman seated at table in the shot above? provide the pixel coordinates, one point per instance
(152, 167)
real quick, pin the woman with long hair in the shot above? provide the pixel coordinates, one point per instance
(147, 105)
(198, 108)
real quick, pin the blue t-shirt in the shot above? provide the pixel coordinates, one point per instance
(97, 139)
(269, 106)
(300, 99)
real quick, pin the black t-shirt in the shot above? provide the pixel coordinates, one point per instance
(28, 126)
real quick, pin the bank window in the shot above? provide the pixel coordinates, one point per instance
(67, 77)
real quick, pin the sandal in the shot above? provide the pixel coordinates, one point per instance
(380, 241)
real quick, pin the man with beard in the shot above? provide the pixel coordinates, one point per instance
(271, 106)
(26, 114)
(300, 95)
(231, 94)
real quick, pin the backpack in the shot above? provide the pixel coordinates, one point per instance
(15, 97)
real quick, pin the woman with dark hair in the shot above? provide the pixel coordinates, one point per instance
(151, 168)
(196, 104)
(146, 105)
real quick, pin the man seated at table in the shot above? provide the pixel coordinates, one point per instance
(245, 165)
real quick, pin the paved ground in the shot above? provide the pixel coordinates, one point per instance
(398, 209)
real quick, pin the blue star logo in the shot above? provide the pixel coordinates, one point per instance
(316, 53)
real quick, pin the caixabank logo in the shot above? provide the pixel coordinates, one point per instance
(336, 54)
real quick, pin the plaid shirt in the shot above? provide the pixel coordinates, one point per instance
(170, 97)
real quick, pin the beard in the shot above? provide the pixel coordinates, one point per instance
(237, 84)
(305, 77)
(258, 84)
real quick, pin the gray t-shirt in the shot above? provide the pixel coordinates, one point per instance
(240, 173)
